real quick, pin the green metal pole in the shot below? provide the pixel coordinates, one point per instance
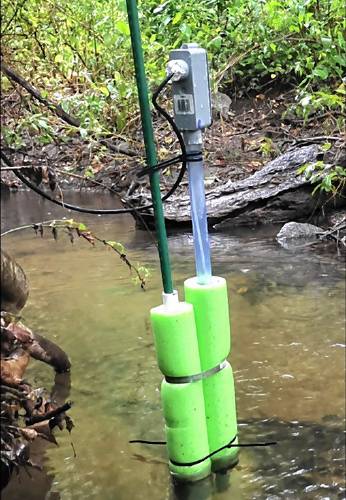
(150, 148)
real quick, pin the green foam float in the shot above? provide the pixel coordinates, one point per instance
(186, 431)
(192, 338)
(183, 403)
(211, 310)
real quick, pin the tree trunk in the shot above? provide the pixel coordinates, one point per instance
(274, 194)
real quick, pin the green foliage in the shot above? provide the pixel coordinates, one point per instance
(326, 179)
(290, 39)
(325, 99)
(80, 53)
(267, 147)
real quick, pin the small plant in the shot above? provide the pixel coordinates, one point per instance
(326, 179)
(75, 229)
(323, 100)
(267, 147)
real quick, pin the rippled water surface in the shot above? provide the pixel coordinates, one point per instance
(288, 314)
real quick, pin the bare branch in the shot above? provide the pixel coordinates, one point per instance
(56, 108)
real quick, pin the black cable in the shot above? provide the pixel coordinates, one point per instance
(159, 166)
(170, 120)
(231, 444)
(143, 441)
(76, 208)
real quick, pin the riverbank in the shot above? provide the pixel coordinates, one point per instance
(248, 132)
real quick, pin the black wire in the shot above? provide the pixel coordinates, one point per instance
(170, 120)
(159, 166)
(231, 444)
(143, 441)
(76, 208)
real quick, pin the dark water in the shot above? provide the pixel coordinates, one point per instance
(288, 322)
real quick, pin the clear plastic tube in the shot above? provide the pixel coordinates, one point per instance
(199, 222)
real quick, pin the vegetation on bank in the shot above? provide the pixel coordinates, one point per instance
(79, 52)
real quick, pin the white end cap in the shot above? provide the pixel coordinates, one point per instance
(170, 299)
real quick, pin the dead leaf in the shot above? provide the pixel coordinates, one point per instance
(51, 179)
(87, 236)
(29, 434)
(22, 333)
(44, 431)
(69, 423)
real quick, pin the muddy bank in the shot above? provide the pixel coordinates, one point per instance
(27, 413)
(246, 135)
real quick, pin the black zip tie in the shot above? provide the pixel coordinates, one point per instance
(143, 441)
(190, 464)
(187, 157)
(194, 156)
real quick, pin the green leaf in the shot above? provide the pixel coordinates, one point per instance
(104, 90)
(177, 17)
(89, 173)
(273, 46)
(302, 169)
(123, 28)
(58, 58)
(117, 246)
(322, 72)
(185, 29)
(326, 146)
(215, 43)
(83, 132)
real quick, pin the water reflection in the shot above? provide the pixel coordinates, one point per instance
(288, 311)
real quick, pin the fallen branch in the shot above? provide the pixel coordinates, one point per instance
(334, 233)
(13, 76)
(122, 148)
(50, 414)
(87, 179)
(312, 140)
(58, 110)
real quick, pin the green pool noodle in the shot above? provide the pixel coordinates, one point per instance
(221, 417)
(186, 431)
(183, 404)
(175, 339)
(211, 309)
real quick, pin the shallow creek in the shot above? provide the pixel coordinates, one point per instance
(288, 357)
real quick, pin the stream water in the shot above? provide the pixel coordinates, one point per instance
(288, 357)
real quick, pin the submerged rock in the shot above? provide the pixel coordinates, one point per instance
(295, 230)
